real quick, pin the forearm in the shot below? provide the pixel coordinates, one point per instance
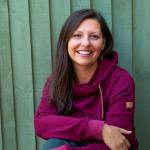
(50, 126)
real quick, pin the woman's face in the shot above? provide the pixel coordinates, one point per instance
(86, 43)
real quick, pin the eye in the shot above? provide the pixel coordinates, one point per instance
(94, 37)
(76, 35)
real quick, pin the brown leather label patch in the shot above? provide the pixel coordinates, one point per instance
(129, 104)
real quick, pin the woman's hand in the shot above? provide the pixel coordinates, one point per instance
(113, 137)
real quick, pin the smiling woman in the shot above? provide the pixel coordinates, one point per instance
(85, 102)
(84, 48)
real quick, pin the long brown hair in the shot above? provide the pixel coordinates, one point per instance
(63, 74)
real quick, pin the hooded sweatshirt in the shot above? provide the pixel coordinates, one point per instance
(109, 96)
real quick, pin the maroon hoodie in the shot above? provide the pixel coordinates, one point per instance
(108, 97)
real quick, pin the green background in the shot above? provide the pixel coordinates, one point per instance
(28, 36)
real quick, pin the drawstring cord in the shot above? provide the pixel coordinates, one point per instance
(102, 101)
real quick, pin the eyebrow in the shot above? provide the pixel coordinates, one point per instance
(95, 33)
(90, 32)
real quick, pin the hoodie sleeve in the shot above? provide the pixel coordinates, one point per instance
(122, 103)
(48, 124)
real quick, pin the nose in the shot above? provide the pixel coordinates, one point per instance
(85, 41)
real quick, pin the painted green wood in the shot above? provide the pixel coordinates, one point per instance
(80, 4)
(41, 43)
(105, 7)
(41, 48)
(22, 73)
(122, 31)
(141, 56)
(7, 98)
(59, 11)
(1, 139)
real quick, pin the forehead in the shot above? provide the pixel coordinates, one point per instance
(89, 25)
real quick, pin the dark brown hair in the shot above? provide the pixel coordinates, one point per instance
(63, 74)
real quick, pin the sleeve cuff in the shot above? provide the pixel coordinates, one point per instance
(94, 129)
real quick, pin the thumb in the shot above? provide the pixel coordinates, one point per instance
(124, 131)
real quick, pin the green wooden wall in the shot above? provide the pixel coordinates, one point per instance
(28, 35)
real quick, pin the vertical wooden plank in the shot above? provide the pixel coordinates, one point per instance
(22, 73)
(41, 43)
(41, 48)
(122, 31)
(1, 142)
(6, 85)
(141, 66)
(79, 4)
(105, 7)
(59, 11)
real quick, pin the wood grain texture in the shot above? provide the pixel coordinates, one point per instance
(22, 73)
(40, 27)
(122, 31)
(105, 7)
(59, 11)
(141, 67)
(8, 126)
(80, 4)
(1, 137)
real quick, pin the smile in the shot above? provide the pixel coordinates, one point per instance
(85, 52)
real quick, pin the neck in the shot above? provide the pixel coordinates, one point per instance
(84, 74)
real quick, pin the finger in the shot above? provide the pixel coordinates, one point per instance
(124, 131)
(127, 143)
(125, 147)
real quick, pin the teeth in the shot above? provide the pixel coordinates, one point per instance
(85, 52)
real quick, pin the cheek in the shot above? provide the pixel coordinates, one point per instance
(68, 44)
(99, 46)
(98, 49)
(70, 48)
(72, 44)
(98, 53)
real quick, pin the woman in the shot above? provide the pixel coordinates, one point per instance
(88, 101)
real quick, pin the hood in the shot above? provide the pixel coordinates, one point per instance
(102, 73)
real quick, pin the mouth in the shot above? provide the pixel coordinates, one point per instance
(84, 52)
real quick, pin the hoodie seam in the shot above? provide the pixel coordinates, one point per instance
(102, 102)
